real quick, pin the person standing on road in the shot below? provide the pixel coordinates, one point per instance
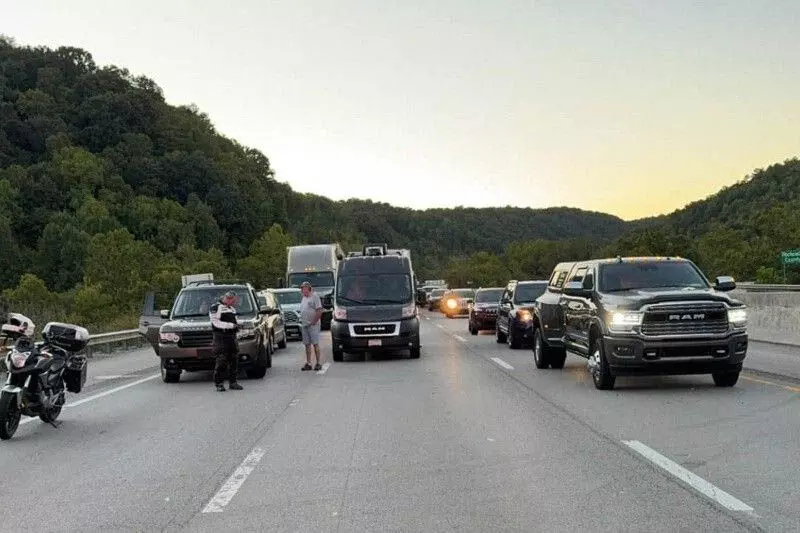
(310, 322)
(226, 346)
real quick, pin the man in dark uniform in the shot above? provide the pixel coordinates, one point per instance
(226, 346)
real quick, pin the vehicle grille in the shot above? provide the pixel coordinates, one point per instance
(290, 317)
(691, 319)
(375, 329)
(196, 339)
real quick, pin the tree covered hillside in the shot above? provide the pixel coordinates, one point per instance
(106, 191)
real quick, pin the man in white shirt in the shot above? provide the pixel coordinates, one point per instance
(310, 325)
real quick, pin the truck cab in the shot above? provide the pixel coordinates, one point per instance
(374, 306)
(316, 264)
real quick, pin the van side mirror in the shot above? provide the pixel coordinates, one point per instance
(724, 283)
(575, 288)
(164, 313)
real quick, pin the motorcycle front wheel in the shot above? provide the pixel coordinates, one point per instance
(9, 416)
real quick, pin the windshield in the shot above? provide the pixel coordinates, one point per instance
(488, 296)
(316, 279)
(529, 292)
(368, 289)
(289, 297)
(196, 303)
(435, 293)
(649, 275)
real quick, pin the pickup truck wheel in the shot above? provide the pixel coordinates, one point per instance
(500, 336)
(169, 376)
(725, 379)
(513, 341)
(557, 358)
(540, 352)
(601, 372)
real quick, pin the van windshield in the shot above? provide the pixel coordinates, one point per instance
(316, 279)
(371, 289)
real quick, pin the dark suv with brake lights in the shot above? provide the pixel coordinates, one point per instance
(183, 340)
(515, 315)
(483, 313)
(641, 316)
(374, 307)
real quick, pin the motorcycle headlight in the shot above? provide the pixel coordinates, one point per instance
(737, 317)
(169, 337)
(245, 333)
(18, 359)
(409, 311)
(625, 320)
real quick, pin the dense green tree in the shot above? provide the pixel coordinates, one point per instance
(266, 263)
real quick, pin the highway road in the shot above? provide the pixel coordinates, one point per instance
(470, 437)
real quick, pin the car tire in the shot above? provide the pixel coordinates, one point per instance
(513, 342)
(270, 351)
(557, 358)
(169, 376)
(725, 379)
(473, 329)
(540, 352)
(338, 356)
(601, 371)
(282, 343)
(416, 351)
(500, 337)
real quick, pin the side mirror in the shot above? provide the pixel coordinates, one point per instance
(263, 310)
(164, 313)
(724, 283)
(274, 311)
(575, 288)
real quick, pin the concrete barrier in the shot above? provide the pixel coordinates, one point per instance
(772, 316)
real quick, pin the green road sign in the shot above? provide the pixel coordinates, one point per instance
(790, 257)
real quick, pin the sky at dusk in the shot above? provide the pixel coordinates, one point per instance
(634, 108)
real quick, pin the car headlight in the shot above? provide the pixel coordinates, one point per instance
(409, 311)
(738, 317)
(625, 320)
(169, 337)
(525, 315)
(245, 333)
(340, 313)
(451, 304)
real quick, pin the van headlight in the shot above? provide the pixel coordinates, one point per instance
(409, 311)
(738, 317)
(625, 321)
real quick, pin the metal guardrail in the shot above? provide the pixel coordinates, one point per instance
(125, 337)
(766, 287)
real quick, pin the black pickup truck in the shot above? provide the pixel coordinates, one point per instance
(641, 316)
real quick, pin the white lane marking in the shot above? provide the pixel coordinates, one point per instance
(439, 326)
(226, 493)
(112, 391)
(99, 395)
(693, 480)
(502, 363)
(120, 376)
(459, 338)
(324, 369)
(490, 439)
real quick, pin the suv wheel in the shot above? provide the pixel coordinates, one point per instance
(540, 352)
(282, 343)
(598, 366)
(270, 350)
(725, 379)
(473, 329)
(513, 341)
(169, 376)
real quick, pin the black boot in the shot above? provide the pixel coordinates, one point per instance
(220, 387)
(235, 386)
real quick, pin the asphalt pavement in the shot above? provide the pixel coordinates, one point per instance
(470, 437)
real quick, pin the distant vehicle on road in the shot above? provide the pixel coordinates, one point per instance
(317, 264)
(182, 336)
(434, 299)
(289, 300)
(374, 308)
(276, 325)
(457, 302)
(483, 313)
(641, 316)
(515, 314)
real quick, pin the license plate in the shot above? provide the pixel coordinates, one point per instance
(205, 353)
(374, 342)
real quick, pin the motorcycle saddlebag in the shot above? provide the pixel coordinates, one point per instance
(75, 373)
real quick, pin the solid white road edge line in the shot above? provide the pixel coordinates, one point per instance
(226, 493)
(99, 395)
(693, 480)
(502, 363)
(459, 338)
(324, 369)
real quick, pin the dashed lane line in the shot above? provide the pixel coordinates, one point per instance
(502, 363)
(229, 489)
